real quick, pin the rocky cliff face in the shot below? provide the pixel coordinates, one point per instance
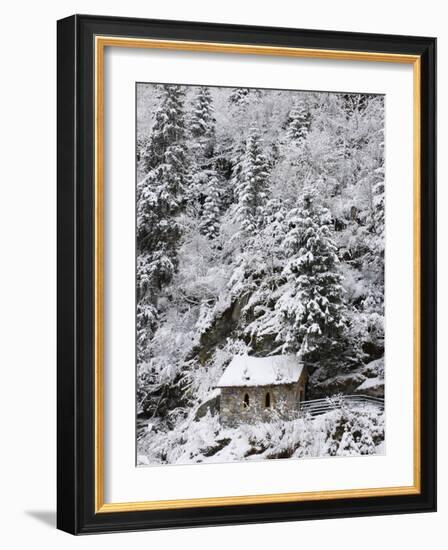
(367, 379)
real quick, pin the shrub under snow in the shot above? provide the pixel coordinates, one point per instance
(342, 432)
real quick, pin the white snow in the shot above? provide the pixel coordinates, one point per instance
(375, 368)
(371, 383)
(342, 432)
(244, 370)
(212, 394)
(260, 226)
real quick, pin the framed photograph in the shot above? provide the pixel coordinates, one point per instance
(246, 274)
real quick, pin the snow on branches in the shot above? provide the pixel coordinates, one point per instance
(260, 230)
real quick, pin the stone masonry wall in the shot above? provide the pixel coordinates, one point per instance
(284, 400)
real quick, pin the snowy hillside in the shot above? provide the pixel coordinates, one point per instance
(260, 231)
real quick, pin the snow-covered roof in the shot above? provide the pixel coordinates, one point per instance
(261, 371)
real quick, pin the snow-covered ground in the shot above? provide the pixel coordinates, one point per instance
(342, 432)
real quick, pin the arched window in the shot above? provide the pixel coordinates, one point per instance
(267, 400)
(246, 400)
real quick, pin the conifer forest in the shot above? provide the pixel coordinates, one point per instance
(259, 232)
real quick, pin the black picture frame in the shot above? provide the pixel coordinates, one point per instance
(76, 512)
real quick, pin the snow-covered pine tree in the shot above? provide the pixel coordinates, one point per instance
(310, 310)
(252, 186)
(236, 162)
(202, 123)
(378, 205)
(210, 222)
(168, 126)
(297, 124)
(371, 315)
(141, 145)
(160, 198)
(201, 150)
(378, 190)
(374, 259)
(239, 97)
